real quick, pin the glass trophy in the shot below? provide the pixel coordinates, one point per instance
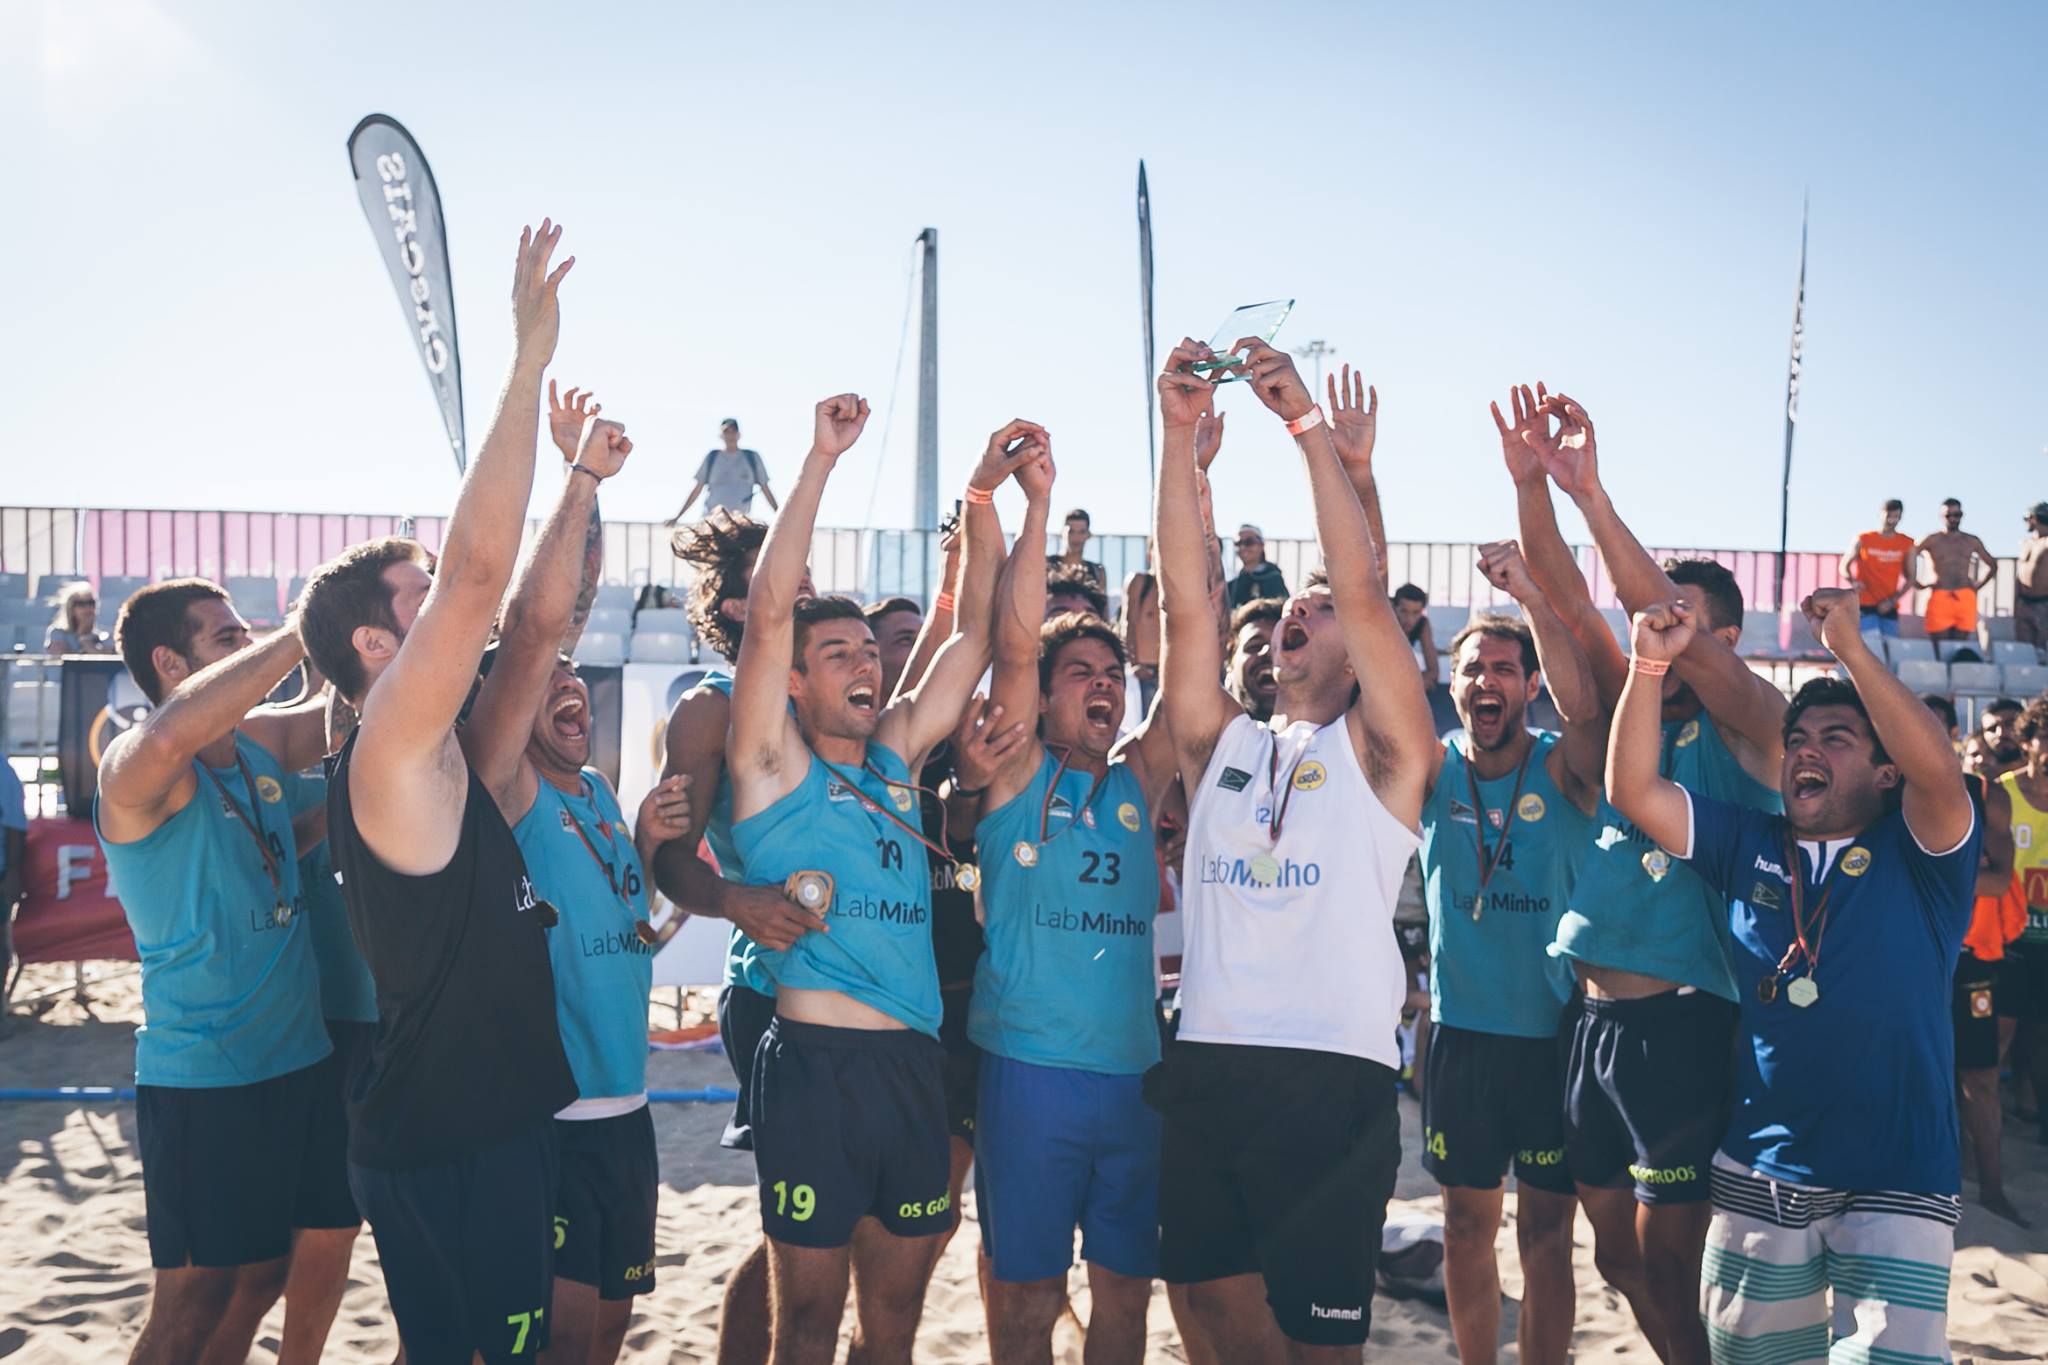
(1261, 320)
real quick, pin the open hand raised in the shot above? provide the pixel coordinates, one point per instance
(536, 314)
(1354, 418)
(566, 415)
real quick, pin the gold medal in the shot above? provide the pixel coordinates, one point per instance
(1802, 992)
(1265, 869)
(967, 877)
(1026, 853)
(1656, 862)
(1767, 989)
(282, 912)
(811, 890)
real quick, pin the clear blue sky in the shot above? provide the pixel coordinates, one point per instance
(1461, 197)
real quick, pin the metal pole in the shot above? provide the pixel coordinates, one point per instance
(1315, 351)
(925, 508)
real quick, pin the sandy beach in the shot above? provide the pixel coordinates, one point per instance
(74, 1264)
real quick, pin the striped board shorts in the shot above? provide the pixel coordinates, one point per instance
(1777, 1254)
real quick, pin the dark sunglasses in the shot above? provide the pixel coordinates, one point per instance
(1249, 540)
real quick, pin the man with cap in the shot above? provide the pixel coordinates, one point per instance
(1258, 577)
(2030, 580)
(732, 473)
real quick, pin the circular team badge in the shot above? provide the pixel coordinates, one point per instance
(1309, 776)
(1688, 732)
(1265, 869)
(1127, 816)
(1856, 861)
(1530, 808)
(902, 798)
(269, 790)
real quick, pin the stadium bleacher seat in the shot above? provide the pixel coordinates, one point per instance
(2014, 652)
(50, 584)
(114, 590)
(1446, 622)
(1923, 675)
(610, 620)
(663, 621)
(25, 613)
(1898, 650)
(293, 589)
(1981, 678)
(1999, 627)
(660, 647)
(601, 647)
(2025, 680)
(13, 586)
(615, 597)
(256, 599)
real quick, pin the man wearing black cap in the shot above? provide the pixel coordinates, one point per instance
(2030, 581)
(732, 473)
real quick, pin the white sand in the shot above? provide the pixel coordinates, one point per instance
(74, 1264)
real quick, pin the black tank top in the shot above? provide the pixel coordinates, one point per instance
(466, 1052)
(956, 934)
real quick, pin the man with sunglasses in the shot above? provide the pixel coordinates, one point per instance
(1951, 610)
(1258, 577)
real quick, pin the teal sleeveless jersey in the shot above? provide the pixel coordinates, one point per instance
(1637, 909)
(742, 955)
(577, 848)
(347, 991)
(1067, 978)
(230, 992)
(1490, 968)
(879, 950)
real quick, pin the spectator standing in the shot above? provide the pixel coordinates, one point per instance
(731, 473)
(1072, 559)
(13, 861)
(1256, 576)
(1411, 609)
(1951, 609)
(76, 627)
(2030, 581)
(1876, 564)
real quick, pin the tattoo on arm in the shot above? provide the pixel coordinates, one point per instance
(586, 592)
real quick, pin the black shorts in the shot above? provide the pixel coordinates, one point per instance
(1647, 1092)
(324, 1199)
(1975, 1008)
(604, 1203)
(1277, 1162)
(963, 1066)
(2023, 981)
(224, 1167)
(1492, 1102)
(850, 1123)
(743, 1016)
(467, 1248)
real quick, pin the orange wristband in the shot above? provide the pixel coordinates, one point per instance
(1649, 668)
(1308, 421)
(980, 497)
(943, 602)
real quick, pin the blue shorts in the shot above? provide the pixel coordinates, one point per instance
(1056, 1149)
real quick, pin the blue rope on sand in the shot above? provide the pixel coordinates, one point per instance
(109, 1093)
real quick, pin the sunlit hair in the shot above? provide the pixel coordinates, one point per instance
(1495, 626)
(159, 615)
(1075, 580)
(721, 549)
(888, 606)
(813, 611)
(68, 602)
(346, 592)
(1267, 609)
(1069, 626)
(1720, 594)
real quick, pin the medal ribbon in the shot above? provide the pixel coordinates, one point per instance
(869, 768)
(1052, 790)
(1487, 865)
(611, 878)
(270, 862)
(1281, 800)
(1799, 948)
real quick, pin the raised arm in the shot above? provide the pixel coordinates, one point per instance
(565, 424)
(1354, 429)
(146, 776)
(1399, 747)
(1749, 709)
(1657, 805)
(1020, 617)
(408, 718)
(1208, 444)
(1935, 800)
(927, 714)
(537, 619)
(937, 626)
(1576, 763)
(1191, 650)
(763, 749)
(1551, 562)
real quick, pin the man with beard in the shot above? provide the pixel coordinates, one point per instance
(1835, 1187)
(1063, 1005)
(452, 1147)
(1998, 724)
(721, 551)
(192, 818)
(1249, 672)
(1951, 608)
(528, 739)
(848, 1101)
(1280, 1137)
(1507, 819)
(1646, 1077)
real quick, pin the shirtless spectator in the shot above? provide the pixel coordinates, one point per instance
(1876, 564)
(2030, 581)
(1951, 610)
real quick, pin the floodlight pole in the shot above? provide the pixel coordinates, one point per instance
(925, 505)
(1315, 351)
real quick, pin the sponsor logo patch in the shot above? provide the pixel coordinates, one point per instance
(1530, 808)
(1688, 732)
(269, 790)
(1127, 816)
(1764, 896)
(1310, 776)
(1856, 861)
(1233, 779)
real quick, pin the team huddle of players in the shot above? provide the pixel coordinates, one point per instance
(415, 993)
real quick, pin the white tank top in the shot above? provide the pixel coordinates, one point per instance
(1290, 942)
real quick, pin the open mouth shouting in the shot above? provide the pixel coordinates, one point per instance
(1260, 676)
(1293, 634)
(863, 698)
(569, 716)
(1809, 782)
(1100, 711)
